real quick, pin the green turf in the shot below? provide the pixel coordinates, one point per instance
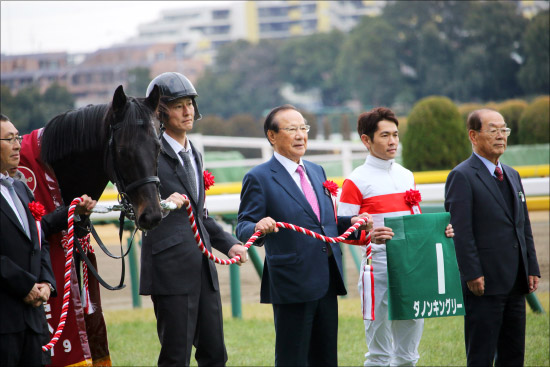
(250, 341)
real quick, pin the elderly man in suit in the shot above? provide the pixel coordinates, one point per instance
(302, 276)
(26, 276)
(494, 245)
(182, 282)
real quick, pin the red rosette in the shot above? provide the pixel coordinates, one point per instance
(413, 197)
(37, 210)
(332, 187)
(208, 180)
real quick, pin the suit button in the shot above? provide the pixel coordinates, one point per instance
(324, 249)
(516, 246)
(32, 253)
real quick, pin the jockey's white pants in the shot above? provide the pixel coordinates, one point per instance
(390, 343)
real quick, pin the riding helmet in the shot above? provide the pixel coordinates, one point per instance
(174, 85)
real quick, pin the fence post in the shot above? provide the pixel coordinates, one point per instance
(255, 258)
(235, 284)
(134, 272)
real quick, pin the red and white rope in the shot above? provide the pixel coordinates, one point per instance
(86, 301)
(257, 234)
(67, 284)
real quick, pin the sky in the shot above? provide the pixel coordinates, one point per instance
(76, 26)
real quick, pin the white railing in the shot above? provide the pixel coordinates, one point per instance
(343, 151)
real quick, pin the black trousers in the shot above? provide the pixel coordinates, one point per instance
(21, 349)
(190, 320)
(306, 334)
(494, 330)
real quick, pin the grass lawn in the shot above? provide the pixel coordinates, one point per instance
(250, 342)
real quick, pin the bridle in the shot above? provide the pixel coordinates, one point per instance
(123, 188)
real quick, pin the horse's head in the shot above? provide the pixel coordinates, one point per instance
(132, 153)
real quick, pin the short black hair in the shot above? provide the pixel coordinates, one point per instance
(4, 117)
(474, 118)
(367, 123)
(270, 122)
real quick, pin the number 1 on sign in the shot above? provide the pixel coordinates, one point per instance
(440, 268)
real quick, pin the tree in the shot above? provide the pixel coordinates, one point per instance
(534, 122)
(534, 74)
(436, 137)
(243, 79)
(369, 64)
(494, 31)
(309, 63)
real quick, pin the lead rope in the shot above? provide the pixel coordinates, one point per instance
(67, 286)
(257, 234)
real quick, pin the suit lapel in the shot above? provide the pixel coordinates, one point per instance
(283, 178)
(179, 168)
(489, 182)
(508, 174)
(198, 162)
(6, 208)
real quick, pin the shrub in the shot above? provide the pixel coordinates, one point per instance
(511, 110)
(436, 136)
(534, 122)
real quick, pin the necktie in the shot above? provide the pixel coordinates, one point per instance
(8, 182)
(498, 173)
(308, 191)
(189, 173)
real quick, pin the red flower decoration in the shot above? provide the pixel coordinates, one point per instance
(208, 179)
(37, 210)
(413, 197)
(331, 186)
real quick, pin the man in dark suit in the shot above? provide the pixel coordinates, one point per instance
(26, 276)
(494, 245)
(182, 282)
(302, 275)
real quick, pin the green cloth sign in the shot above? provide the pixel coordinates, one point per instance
(423, 277)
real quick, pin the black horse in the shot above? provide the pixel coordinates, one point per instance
(118, 141)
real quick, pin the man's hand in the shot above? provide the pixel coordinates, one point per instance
(45, 291)
(85, 206)
(533, 283)
(178, 199)
(34, 298)
(365, 227)
(477, 286)
(381, 234)
(266, 225)
(240, 250)
(449, 231)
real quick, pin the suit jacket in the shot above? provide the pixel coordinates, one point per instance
(170, 259)
(487, 233)
(22, 264)
(296, 267)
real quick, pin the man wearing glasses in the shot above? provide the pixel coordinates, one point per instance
(302, 276)
(494, 245)
(26, 276)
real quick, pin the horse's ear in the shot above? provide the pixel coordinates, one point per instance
(154, 98)
(119, 99)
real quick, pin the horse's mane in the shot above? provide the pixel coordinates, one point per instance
(86, 128)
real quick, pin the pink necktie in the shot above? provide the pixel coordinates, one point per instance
(308, 191)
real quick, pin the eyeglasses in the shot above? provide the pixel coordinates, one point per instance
(292, 130)
(493, 132)
(12, 140)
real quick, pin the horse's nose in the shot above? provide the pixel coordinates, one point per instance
(149, 219)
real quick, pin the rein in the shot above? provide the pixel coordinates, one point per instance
(257, 234)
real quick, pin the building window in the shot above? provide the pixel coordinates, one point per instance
(220, 14)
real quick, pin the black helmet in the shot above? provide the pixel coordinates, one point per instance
(174, 85)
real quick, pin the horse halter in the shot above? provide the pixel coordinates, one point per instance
(123, 190)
